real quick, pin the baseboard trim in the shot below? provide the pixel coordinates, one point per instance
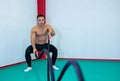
(98, 59)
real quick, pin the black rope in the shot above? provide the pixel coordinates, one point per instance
(49, 57)
(76, 67)
(49, 62)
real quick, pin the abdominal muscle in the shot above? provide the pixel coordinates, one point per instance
(41, 40)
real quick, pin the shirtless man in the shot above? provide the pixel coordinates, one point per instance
(39, 37)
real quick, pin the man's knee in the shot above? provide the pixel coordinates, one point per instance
(55, 50)
(28, 51)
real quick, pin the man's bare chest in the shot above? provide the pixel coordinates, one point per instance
(41, 32)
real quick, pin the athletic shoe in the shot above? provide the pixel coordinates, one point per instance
(55, 67)
(28, 69)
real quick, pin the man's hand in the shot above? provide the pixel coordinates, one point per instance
(49, 36)
(34, 51)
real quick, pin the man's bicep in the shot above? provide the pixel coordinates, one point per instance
(32, 35)
(51, 30)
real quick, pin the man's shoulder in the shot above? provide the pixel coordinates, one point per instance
(34, 28)
(48, 25)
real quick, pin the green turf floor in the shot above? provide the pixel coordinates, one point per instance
(92, 71)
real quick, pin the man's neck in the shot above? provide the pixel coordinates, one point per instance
(41, 27)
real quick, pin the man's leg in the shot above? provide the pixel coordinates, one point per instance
(53, 49)
(28, 51)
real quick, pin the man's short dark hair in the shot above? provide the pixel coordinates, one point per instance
(40, 15)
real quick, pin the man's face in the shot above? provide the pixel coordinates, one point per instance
(41, 21)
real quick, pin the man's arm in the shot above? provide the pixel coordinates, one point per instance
(51, 30)
(33, 36)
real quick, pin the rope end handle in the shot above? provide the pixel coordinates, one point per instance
(49, 36)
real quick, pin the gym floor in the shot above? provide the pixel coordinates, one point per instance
(93, 70)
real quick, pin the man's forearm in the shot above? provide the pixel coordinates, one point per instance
(33, 45)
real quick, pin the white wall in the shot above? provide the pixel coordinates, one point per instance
(86, 28)
(16, 19)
